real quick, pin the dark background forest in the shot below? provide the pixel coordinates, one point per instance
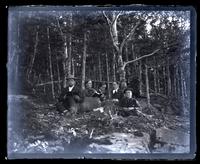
(46, 46)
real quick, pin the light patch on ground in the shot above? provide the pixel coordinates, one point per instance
(123, 143)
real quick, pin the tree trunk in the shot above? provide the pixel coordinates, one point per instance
(184, 88)
(147, 85)
(69, 60)
(73, 68)
(182, 85)
(164, 81)
(50, 65)
(155, 81)
(169, 89)
(107, 75)
(113, 66)
(182, 91)
(99, 67)
(175, 82)
(178, 82)
(155, 77)
(65, 63)
(115, 40)
(95, 72)
(84, 62)
(127, 59)
(158, 78)
(140, 77)
(121, 69)
(58, 72)
(114, 36)
(134, 56)
(34, 54)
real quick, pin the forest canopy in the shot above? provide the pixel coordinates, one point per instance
(47, 45)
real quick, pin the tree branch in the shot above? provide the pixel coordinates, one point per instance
(116, 17)
(61, 32)
(128, 62)
(114, 44)
(110, 24)
(108, 20)
(129, 35)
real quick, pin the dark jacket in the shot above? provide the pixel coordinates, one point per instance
(117, 95)
(128, 102)
(89, 92)
(100, 95)
(76, 94)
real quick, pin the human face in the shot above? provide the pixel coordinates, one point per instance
(89, 84)
(115, 86)
(71, 82)
(123, 85)
(103, 87)
(128, 94)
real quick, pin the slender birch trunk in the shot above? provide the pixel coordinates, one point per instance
(83, 62)
(50, 65)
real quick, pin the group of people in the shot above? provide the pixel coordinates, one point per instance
(120, 94)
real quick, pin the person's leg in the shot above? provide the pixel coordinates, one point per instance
(60, 107)
(73, 106)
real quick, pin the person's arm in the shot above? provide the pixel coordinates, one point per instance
(97, 94)
(92, 92)
(136, 104)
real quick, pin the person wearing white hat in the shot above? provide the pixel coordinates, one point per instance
(70, 96)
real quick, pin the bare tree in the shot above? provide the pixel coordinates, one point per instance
(29, 70)
(99, 67)
(107, 75)
(112, 22)
(50, 65)
(83, 62)
(147, 85)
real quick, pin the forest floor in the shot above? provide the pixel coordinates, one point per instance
(36, 127)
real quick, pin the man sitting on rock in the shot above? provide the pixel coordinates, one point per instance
(70, 97)
(128, 104)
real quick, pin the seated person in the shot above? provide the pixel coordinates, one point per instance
(128, 103)
(123, 86)
(116, 94)
(101, 92)
(70, 96)
(89, 91)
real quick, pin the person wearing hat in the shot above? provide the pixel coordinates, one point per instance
(71, 96)
(128, 103)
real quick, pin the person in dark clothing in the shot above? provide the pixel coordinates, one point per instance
(89, 91)
(116, 94)
(101, 92)
(128, 103)
(123, 86)
(70, 97)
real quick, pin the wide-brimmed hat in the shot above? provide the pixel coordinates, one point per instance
(128, 89)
